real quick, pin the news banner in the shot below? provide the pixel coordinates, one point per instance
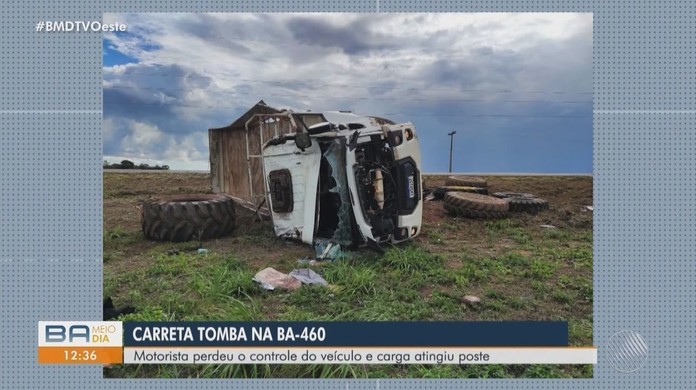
(113, 342)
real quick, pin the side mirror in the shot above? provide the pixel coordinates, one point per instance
(302, 140)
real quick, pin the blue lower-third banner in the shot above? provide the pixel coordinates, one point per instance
(347, 334)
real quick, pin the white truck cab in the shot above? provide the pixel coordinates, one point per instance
(350, 180)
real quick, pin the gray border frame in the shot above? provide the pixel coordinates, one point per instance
(644, 144)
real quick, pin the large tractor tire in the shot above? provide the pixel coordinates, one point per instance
(188, 217)
(504, 195)
(440, 192)
(523, 202)
(466, 181)
(529, 205)
(469, 205)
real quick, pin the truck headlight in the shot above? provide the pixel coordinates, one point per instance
(409, 134)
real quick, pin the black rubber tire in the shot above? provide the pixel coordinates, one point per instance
(469, 205)
(529, 205)
(188, 217)
(440, 192)
(466, 181)
(503, 195)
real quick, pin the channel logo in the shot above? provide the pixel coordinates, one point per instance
(89, 342)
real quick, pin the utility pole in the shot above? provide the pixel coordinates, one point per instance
(451, 145)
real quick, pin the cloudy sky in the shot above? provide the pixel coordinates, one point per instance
(517, 88)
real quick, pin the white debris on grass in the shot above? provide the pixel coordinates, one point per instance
(307, 276)
(271, 279)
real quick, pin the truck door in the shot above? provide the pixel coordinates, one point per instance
(291, 179)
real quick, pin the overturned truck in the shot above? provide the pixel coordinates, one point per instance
(329, 178)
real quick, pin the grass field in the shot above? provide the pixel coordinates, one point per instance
(520, 271)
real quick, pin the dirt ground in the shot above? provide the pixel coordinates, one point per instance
(567, 196)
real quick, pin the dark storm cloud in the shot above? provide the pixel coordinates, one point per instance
(561, 69)
(354, 38)
(383, 87)
(159, 77)
(154, 94)
(481, 68)
(250, 28)
(295, 85)
(142, 107)
(230, 37)
(154, 99)
(564, 65)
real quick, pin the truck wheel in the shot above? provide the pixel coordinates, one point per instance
(466, 181)
(529, 205)
(503, 195)
(188, 217)
(469, 205)
(523, 202)
(440, 192)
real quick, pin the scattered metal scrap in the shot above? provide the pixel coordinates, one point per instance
(329, 250)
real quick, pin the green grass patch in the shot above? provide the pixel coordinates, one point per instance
(501, 225)
(351, 278)
(562, 297)
(557, 234)
(518, 303)
(543, 371)
(436, 237)
(540, 288)
(474, 273)
(581, 285)
(410, 259)
(117, 238)
(580, 331)
(514, 259)
(542, 269)
(221, 281)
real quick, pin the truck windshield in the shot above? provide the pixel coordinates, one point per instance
(335, 211)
